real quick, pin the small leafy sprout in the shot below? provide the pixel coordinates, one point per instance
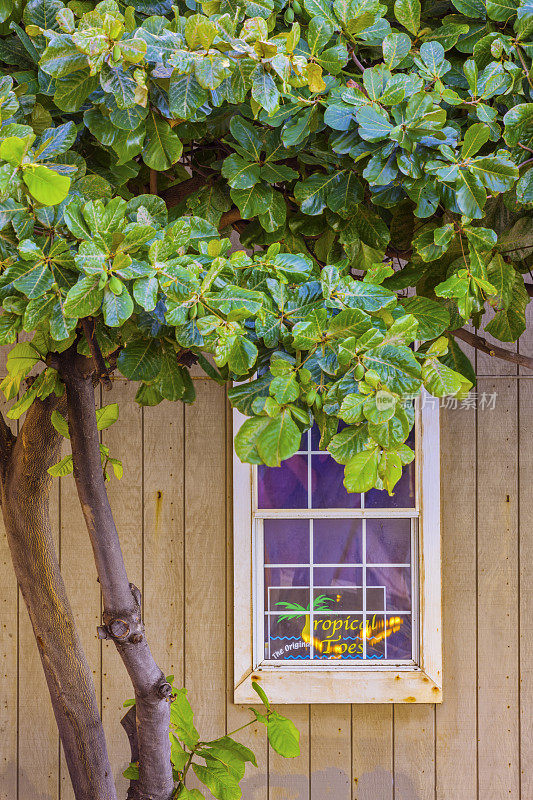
(219, 763)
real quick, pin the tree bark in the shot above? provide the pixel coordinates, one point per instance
(24, 494)
(122, 608)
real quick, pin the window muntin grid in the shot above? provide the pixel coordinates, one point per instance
(346, 607)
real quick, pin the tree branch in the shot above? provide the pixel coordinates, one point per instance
(229, 217)
(175, 194)
(25, 508)
(129, 723)
(7, 441)
(491, 349)
(122, 620)
(89, 330)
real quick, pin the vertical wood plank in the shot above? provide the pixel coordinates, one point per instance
(38, 744)
(205, 559)
(525, 449)
(125, 442)
(8, 653)
(255, 783)
(525, 562)
(414, 752)
(456, 716)
(372, 752)
(497, 592)
(330, 752)
(163, 535)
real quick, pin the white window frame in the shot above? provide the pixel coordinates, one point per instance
(410, 682)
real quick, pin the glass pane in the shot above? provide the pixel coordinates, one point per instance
(328, 603)
(375, 637)
(284, 486)
(332, 577)
(327, 484)
(338, 637)
(345, 598)
(286, 541)
(285, 598)
(283, 638)
(337, 541)
(396, 584)
(399, 637)
(388, 541)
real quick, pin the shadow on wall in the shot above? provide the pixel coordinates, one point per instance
(331, 784)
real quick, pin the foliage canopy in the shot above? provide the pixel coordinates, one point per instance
(359, 148)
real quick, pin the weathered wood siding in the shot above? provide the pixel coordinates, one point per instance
(173, 509)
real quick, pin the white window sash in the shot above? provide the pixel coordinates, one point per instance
(353, 682)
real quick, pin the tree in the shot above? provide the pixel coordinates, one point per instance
(374, 160)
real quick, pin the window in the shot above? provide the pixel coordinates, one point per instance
(337, 595)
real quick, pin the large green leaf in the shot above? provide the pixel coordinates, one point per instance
(283, 735)
(140, 360)
(407, 12)
(162, 146)
(396, 366)
(47, 186)
(361, 471)
(432, 317)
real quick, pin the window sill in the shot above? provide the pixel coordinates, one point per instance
(340, 686)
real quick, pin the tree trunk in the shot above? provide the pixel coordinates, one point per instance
(122, 608)
(24, 488)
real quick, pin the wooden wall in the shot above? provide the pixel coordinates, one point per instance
(173, 512)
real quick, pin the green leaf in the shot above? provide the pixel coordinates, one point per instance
(117, 308)
(34, 281)
(262, 694)
(279, 440)
(264, 90)
(440, 380)
(501, 10)
(22, 358)
(239, 173)
(518, 124)
(396, 366)
(62, 468)
(471, 195)
(361, 471)
(47, 186)
(395, 48)
(162, 146)
(283, 735)
(182, 720)
(509, 323)
(131, 773)
(253, 201)
(407, 12)
(84, 298)
(178, 755)
(503, 277)
(60, 424)
(432, 317)
(220, 783)
(106, 416)
(62, 57)
(185, 96)
(475, 137)
(190, 794)
(140, 360)
(72, 91)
